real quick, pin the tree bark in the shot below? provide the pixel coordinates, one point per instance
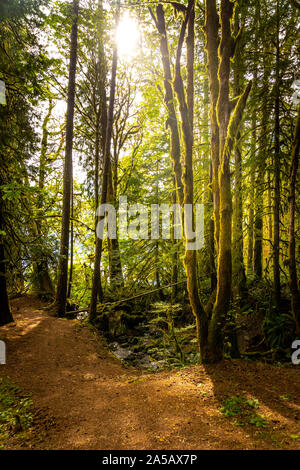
(61, 291)
(186, 113)
(174, 274)
(115, 265)
(209, 198)
(169, 100)
(294, 287)
(276, 208)
(238, 267)
(70, 279)
(251, 194)
(185, 189)
(5, 312)
(212, 43)
(260, 175)
(227, 134)
(105, 175)
(44, 282)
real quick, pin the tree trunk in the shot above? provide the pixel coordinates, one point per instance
(294, 287)
(70, 280)
(224, 269)
(41, 269)
(105, 175)
(276, 208)
(169, 100)
(227, 133)
(209, 199)
(212, 42)
(101, 138)
(251, 195)
(260, 177)
(174, 274)
(185, 189)
(61, 292)
(238, 267)
(186, 113)
(115, 265)
(5, 313)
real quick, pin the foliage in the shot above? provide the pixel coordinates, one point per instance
(15, 410)
(242, 408)
(34, 59)
(279, 330)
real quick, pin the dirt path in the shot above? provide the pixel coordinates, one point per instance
(88, 400)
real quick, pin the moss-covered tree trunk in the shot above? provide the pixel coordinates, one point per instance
(209, 226)
(172, 123)
(61, 291)
(115, 265)
(224, 269)
(5, 312)
(276, 206)
(184, 183)
(228, 129)
(186, 113)
(41, 268)
(106, 174)
(294, 287)
(175, 246)
(251, 196)
(238, 267)
(211, 29)
(260, 174)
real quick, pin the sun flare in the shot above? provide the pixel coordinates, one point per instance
(127, 37)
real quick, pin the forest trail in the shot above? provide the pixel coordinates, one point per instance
(86, 399)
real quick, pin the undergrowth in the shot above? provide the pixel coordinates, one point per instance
(243, 410)
(15, 412)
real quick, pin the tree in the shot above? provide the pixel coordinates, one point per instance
(238, 267)
(21, 69)
(184, 182)
(105, 175)
(44, 282)
(211, 30)
(5, 313)
(228, 129)
(61, 291)
(294, 287)
(276, 208)
(209, 336)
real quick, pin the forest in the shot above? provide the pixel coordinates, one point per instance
(149, 224)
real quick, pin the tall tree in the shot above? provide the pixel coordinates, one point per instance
(294, 287)
(5, 313)
(276, 207)
(228, 129)
(238, 267)
(42, 274)
(212, 43)
(61, 291)
(106, 174)
(184, 182)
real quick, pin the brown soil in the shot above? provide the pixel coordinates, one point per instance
(84, 398)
